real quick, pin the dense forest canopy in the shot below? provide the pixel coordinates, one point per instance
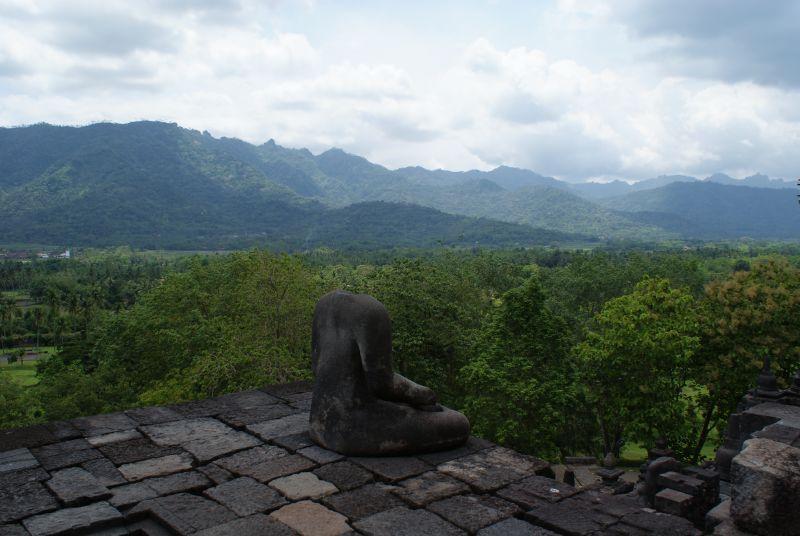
(549, 351)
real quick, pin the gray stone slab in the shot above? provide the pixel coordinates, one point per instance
(24, 499)
(103, 424)
(65, 454)
(200, 408)
(13, 460)
(364, 501)
(207, 448)
(294, 442)
(13, 530)
(130, 494)
(287, 389)
(153, 415)
(393, 468)
(265, 463)
(291, 424)
(254, 525)
(428, 487)
(659, 523)
(240, 418)
(184, 513)
(404, 522)
(491, 469)
(514, 527)
(473, 512)
(473, 445)
(302, 405)
(164, 465)
(570, 516)
(71, 520)
(303, 486)
(26, 437)
(188, 481)
(180, 432)
(136, 450)
(531, 491)
(252, 399)
(215, 473)
(311, 519)
(23, 476)
(246, 496)
(320, 455)
(344, 475)
(113, 437)
(105, 472)
(75, 486)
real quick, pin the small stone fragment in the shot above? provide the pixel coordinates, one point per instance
(165, 465)
(312, 519)
(429, 487)
(303, 486)
(71, 520)
(364, 501)
(255, 525)
(246, 496)
(404, 522)
(344, 475)
(75, 486)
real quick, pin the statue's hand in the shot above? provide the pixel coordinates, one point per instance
(424, 397)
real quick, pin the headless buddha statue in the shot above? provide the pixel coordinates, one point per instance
(360, 406)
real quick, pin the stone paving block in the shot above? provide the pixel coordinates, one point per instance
(26, 437)
(393, 468)
(72, 520)
(170, 434)
(613, 505)
(491, 469)
(570, 517)
(113, 437)
(344, 475)
(130, 494)
(683, 483)
(13, 460)
(63, 430)
(215, 473)
(429, 487)
(240, 418)
(299, 397)
(136, 450)
(320, 455)
(294, 442)
(291, 424)
(252, 399)
(311, 519)
(66, 453)
(255, 525)
(208, 448)
(246, 496)
(673, 502)
(303, 486)
(404, 522)
(75, 486)
(265, 463)
(659, 523)
(184, 513)
(103, 424)
(20, 500)
(473, 512)
(13, 530)
(473, 445)
(287, 389)
(188, 481)
(165, 465)
(530, 491)
(23, 476)
(153, 415)
(104, 471)
(514, 527)
(200, 408)
(364, 501)
(302, 405)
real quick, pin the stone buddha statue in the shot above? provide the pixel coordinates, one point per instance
(360, 406)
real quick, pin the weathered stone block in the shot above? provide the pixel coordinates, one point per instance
(104, 471)
(683, 483)
(311, 519)
(393, 468)
(113, 437)
(180, 432)
(765, 479)
(294, 442)
(153, 415)
(531, 491)
(514, 527)
(13, 460)
(674, 502)
(72, 520)
(189, 481)
(291, 424)
(217, 474)
(164, 465)
(404, 522)
(320, 455)
(13, 530)
(246, 496)
(265, 463)
(240, 418)
(473, 445)
(184, 513)
(364, 501)
(287, 389)
(429, 487)
(208, 448)
(473, 512)
(59, 455)
(20, 500)
(103, 424)
(660, 523)
(75, 486)
(717, 515)
(303, 486)
(571, 517)
(27, 437)
(130, 494)
(136, 450)
(492, 469)
(344, 475)
(254, 525)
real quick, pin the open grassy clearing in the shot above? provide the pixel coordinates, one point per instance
(22, 373)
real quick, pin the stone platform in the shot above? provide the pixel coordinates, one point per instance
(243, 464)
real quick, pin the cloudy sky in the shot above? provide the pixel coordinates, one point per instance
(570, 88)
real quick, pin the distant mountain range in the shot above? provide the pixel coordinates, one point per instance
(156, 184)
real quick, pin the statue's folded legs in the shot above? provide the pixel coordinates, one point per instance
(360, 406)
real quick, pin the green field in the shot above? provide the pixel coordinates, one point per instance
(23, 373)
